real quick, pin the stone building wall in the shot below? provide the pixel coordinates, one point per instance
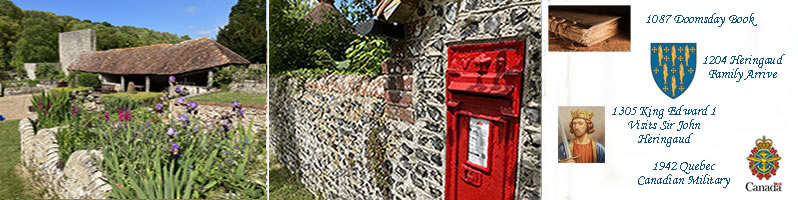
(80, 176)
(74, 43)
(415, 92)
(319, 130)
(30, 68)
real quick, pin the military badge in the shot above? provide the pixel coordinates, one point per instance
(764, 159)
(673, 67)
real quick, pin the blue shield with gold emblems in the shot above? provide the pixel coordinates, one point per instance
(673, 66)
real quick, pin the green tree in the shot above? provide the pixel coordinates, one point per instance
(245, 33)
(245, 36)
(252, 8)
(10, 16)
(7, 8)
(295, 43)
(8, 35)
(38, 41)
(358, 10)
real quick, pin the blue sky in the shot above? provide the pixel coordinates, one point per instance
(195, 18)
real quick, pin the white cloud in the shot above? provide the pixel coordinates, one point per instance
(211, 32)
(190, 10)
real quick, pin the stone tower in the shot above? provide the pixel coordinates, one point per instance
(72, 44)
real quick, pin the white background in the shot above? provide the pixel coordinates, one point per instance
(745, 111)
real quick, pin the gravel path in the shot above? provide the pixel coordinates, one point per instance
(15, 107)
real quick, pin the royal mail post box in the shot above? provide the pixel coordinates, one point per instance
(483, 89)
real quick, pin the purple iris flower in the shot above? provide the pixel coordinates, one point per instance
(175, 147)
(192, 105)
(183, 118)
(241, 112)
(181, 100)
(236, 103)
(159, 108)
(171, 132)
(172, 79)
(177, 89)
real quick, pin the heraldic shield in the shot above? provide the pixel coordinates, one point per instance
(673, 67)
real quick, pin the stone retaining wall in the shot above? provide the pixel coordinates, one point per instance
(21, 91)
(211, 112)
(80, 176)
(249, 86)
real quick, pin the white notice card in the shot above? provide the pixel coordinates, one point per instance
(478, 134)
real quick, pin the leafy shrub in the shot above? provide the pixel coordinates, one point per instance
(224, 77)
(126, 101)
(131, 88)
(259, 72)
(53, 109)
(293, 38)
(89, 80)
(78, 136)
(4, 75)
(49, 72)
(323, 59)
(69, 90)
(366, 54)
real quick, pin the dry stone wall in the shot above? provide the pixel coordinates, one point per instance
(79, 178)
(212, 112)
(249, 86)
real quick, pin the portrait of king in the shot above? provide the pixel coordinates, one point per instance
(581, 148)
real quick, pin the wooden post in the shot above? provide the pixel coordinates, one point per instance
(123, 83)
(210, 78)
(147, 83)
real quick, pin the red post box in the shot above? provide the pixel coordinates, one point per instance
(483, 89)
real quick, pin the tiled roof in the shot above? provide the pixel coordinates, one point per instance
(159, 59)
(323, 9)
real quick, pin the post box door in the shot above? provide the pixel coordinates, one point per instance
(483, 86)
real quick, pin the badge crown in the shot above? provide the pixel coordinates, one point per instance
(764, 143)
(581, 114)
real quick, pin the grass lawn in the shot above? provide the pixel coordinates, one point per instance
(283, 184)
(229, 97)
(11, 186)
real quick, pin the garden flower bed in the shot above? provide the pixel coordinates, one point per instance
(161, 152)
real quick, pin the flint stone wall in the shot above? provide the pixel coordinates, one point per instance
(318, 128)
(416, 70)
(80, 176)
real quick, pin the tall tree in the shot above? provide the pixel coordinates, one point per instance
(38, 41)
(245, 33)
(358, 10)
(8, 36)
(10, 16)
(7, 8)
